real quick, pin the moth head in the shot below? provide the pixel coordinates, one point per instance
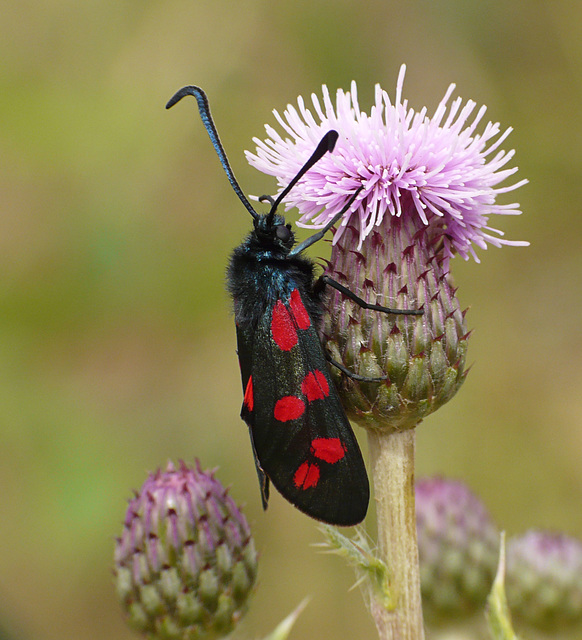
(271, 230)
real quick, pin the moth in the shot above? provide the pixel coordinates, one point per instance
(301, 438)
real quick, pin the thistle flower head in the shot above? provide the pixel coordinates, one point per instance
(458, 548)
(428, 188)
(438, 170)
(185, 562)
(544, 580)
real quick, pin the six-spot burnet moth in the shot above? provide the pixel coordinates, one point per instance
(302, 440)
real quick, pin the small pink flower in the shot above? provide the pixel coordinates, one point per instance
(438, 169)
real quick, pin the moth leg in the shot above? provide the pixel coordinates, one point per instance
(351, 374)
(316, 237)
(326, 280)
(263, 478)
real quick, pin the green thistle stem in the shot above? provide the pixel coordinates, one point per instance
(392, 472)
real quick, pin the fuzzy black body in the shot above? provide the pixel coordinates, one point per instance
(301, 437)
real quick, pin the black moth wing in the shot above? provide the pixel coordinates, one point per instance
(245, 341)
(301, 435)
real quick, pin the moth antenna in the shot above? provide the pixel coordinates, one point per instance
(208, 122)
(327, 143)
(269, 199)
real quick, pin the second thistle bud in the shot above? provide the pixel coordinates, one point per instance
(544, 580)
(458, 547)
(185, 563)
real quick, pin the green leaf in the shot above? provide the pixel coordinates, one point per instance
(281, 632)
(358, 553)
(498, 614)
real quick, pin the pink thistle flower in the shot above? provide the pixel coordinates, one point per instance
(437, 169)
(428, 187)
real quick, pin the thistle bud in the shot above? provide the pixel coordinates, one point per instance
(421, 358)
(185, 563)
(544, 580)
(458, 546)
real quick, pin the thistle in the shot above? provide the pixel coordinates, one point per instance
(427, 190)
(185, 563)
(544, 580)
(458, 545)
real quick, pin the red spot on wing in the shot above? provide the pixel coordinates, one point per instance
(282, 327)
(299, 311)
(315, 386)
(306, 476)
(249, 400)
(328, 449)
(289, 408)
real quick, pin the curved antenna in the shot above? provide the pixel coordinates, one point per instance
(269, 199)
(327, 143)
(210, 127)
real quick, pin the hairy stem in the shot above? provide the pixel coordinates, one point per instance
(392, 468)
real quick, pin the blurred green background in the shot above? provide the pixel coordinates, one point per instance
(117, 347)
